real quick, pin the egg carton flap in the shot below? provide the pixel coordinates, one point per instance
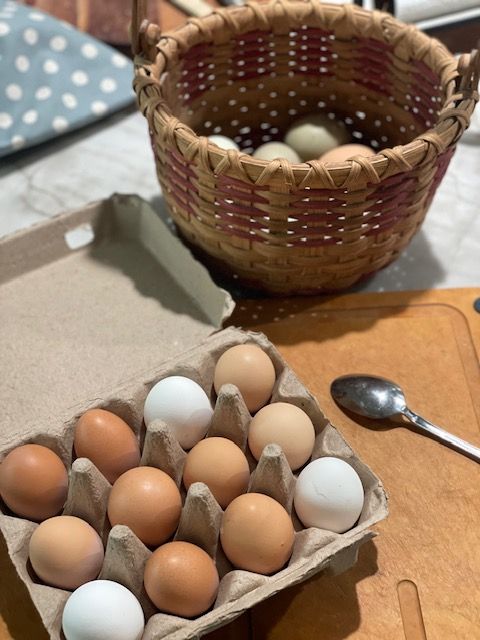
(89, 299)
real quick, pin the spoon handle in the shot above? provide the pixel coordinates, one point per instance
(444, 436)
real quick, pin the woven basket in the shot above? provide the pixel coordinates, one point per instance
(249, 72)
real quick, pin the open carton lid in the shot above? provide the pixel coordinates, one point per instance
(90, 299)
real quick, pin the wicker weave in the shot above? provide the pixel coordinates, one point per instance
(248, 73)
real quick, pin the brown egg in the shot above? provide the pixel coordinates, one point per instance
(221, 465)
(33, 482)
(286, 425)
(250, 369)
(66, 552)
(181, 579)
(257, 533)
(347, 152)
(108, 441)
(148, 501)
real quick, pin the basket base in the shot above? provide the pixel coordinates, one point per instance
(243, 287)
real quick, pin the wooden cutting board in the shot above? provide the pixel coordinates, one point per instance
(420, 578)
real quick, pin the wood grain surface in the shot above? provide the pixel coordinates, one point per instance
(109, 20)
(420, 579)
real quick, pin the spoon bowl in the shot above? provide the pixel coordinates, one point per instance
(369, 396)
(379, 398)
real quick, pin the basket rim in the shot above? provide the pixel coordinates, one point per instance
(454, 117)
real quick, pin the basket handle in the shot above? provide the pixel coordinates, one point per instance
(139, 15)
(468, 68)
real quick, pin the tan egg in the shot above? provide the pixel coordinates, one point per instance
(221, 465)
(148, 501)
(108, 442)
(33, 482)
(286, 425)
(257, 533)
(66, 552)
(346, 152)
(250, 369)
(181, 579)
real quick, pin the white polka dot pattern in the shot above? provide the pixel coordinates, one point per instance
(22, 64)
(58, 43)
(108, 85)
(6, 120)
(60, 124)
(99, 107)
(119, 61)
(14, 92)
(69, 100)
(43, 93)
(89, 51)
(30, 116)
(30, 36)
(17, 142)
(79, 78)
(53, 78)
(50, 66)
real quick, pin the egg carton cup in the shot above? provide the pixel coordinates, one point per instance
(314, 549)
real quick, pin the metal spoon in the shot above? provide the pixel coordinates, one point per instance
(376, 397)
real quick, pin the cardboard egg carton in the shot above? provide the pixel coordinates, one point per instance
(125, 556)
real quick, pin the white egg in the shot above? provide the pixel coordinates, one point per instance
(103, 610)
(329, 495)
(315, 134)
(275, 150)
(183, 405)
(223, 142)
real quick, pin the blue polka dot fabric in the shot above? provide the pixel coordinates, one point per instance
(53, 78)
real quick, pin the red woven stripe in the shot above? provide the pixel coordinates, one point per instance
(181, 165)
(425, 90)
(240, 209)
(321, 226)
(226, 185)
(314, 47)
(177, 175)
(182, 199)
(372, 57)
(443, 162)
(426, 73)
(232, 194)
(317, 205)
(373, 45)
